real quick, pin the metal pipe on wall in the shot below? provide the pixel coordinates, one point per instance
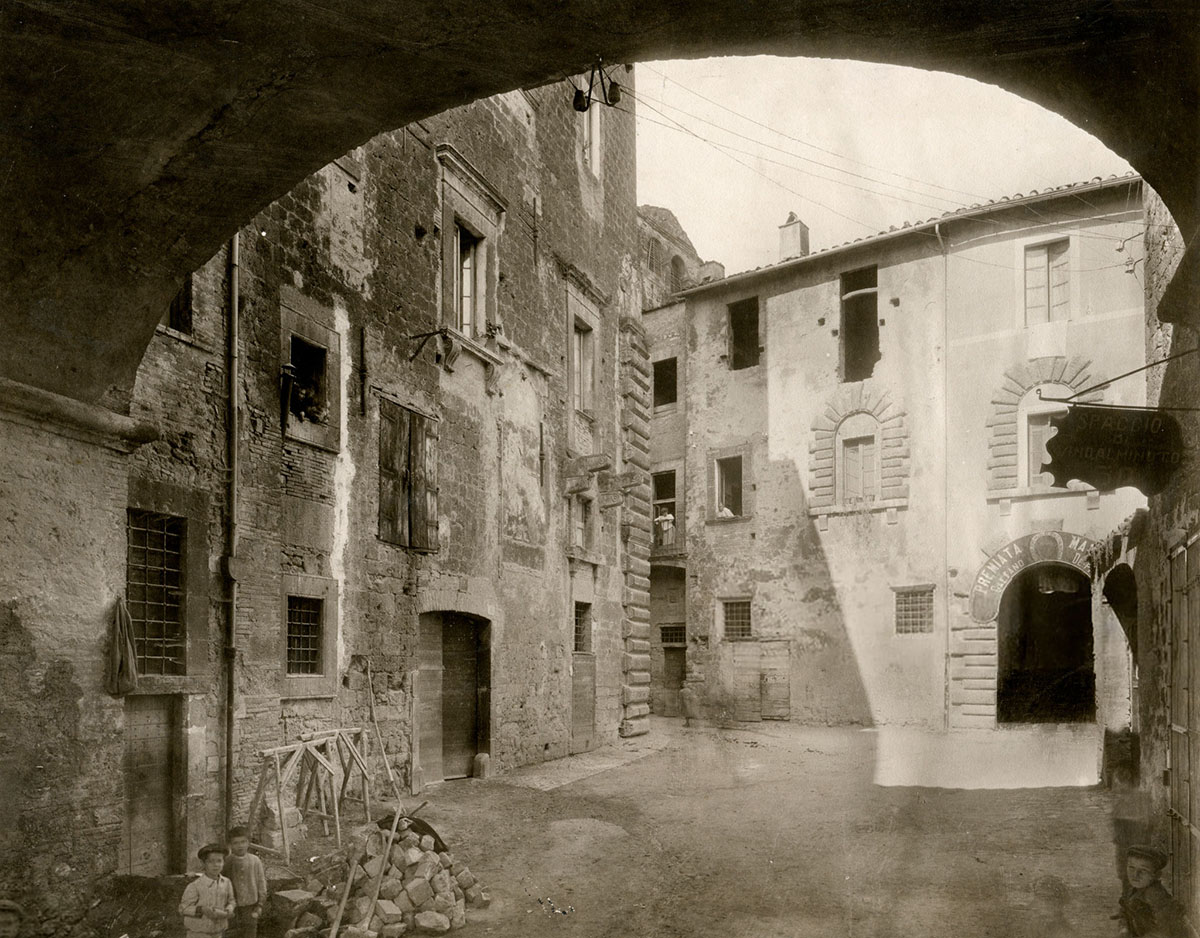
(232, 429)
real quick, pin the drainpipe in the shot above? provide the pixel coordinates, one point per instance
(945, 573)
(232, 430)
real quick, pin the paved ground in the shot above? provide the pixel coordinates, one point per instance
(777, 831)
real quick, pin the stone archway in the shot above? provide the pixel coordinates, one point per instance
(140, 136)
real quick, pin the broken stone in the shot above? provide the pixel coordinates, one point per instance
(375, 866)
(389, 912)
(410, 840)
(472, 895)
(353, 931)
(432, 923)
(288, 905)
(427, 842)
(458, 917)
(429, 905)
(456, 868)
(441, 882)
(376, 924)
(403, 902)
(393, 931)
(309, 920)
(411, 856)
(443, 904)
(390, 889)
(419, 891)
(362, 908)
(466, 879)
(303, 933)
(447, 860)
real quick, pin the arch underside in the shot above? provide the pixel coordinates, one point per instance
(139, 136)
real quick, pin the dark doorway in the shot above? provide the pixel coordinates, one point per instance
(453, 699)
(1046, 670)
(674, 669)
(152, 740)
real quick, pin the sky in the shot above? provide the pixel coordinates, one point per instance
(851, 147)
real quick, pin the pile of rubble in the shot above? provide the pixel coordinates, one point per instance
(410, 889)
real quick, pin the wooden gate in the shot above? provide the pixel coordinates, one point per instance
(460, 691)
(674, 670)
(747, 681)
(152, 740)
(775, 680)
(583, 701)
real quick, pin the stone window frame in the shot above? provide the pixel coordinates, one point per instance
(469, 201)
(1004, 424)
(893, 440)
(310, 686)
(746, 451)
(721, 602)
(306, 319)
(193, 506)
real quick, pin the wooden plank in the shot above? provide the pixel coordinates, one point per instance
(747, 683)
(776, 678)
(418, 467)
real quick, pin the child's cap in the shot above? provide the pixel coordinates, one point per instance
(1146, 852)
(204, 851)
(7, 905)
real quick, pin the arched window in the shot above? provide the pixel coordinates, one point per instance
(856, 460)
(1034, 429)
(678, 274)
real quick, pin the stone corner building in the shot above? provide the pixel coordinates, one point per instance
(401, 441)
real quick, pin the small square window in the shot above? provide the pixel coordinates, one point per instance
(729, 487)
(304, 635)
(666, 390)
(914, 610)
(583, 628)
(673, 634)
(743, 334)
(736, 614)
(309, 398)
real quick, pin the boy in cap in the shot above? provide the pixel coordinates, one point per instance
(249, 880)
(11, 917)
(1147, 909)
(208, 904)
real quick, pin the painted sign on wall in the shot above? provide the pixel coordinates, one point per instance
(1000, 568)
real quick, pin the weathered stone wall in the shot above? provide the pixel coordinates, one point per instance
(355, 251)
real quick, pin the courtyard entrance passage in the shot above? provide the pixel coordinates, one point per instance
(1046, 670)
(453, 701)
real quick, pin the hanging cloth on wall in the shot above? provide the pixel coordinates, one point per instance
(120, 677)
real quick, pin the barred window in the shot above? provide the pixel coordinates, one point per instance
(914, 610)
(583, 627)
(154, 588)
(304, 627)
(737, 618)
(673, 634)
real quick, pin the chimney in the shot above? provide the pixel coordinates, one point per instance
(793, 238)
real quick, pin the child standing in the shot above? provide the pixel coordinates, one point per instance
(208, 903)
(249, 880)
(1147, 909)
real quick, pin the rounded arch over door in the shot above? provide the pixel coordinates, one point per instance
(1073, 550)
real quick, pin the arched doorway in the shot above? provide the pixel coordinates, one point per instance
(1046, 667)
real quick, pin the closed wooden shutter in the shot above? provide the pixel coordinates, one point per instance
(394, 435)
(1060, 280)
(1036, 286)
(1039, 432)
(859, 474)
(423, 506)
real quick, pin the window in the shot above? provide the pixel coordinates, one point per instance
(583, 628)
(736, 615)
(305, 627)
(582, 367)
(666, 378)
(678, 274)
(591, 138)
(154, 589)
(860, 480)
(914, 609)
(179, 315)
(308, 399)
(1034, 428)
(1047, 282)
(673, 634)
(743, 334)
(467, 281)
(664, 509)
(653, 255)
(581, 522)
(408, 495)
(860, 324)
(729, 487)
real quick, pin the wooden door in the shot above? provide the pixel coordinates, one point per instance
(460, 695)
(152, 741)
(674, 668)
(429, 697)
(747, 684)
(583, 702)
(775, 680)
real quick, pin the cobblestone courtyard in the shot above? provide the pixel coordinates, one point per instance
(771, 831)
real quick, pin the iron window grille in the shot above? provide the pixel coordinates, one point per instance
(304, 626)
(154, 587)
(914, 610)
(673, 634)
(583, 628)
(737, 619)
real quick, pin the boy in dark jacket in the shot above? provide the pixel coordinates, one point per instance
(1147, 909)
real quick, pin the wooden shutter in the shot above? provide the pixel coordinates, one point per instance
(851, 470)
(866, 448)
(1036, 286)
(1039, 431)
(1060, 280)
(422, 506)
(394, 434)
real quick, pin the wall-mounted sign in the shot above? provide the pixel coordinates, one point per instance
(1111, 447)
(1000, 568)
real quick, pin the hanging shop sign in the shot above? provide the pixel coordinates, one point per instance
(1111, 447)
(1002, 566)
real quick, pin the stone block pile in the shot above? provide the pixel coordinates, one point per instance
(420, 892)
